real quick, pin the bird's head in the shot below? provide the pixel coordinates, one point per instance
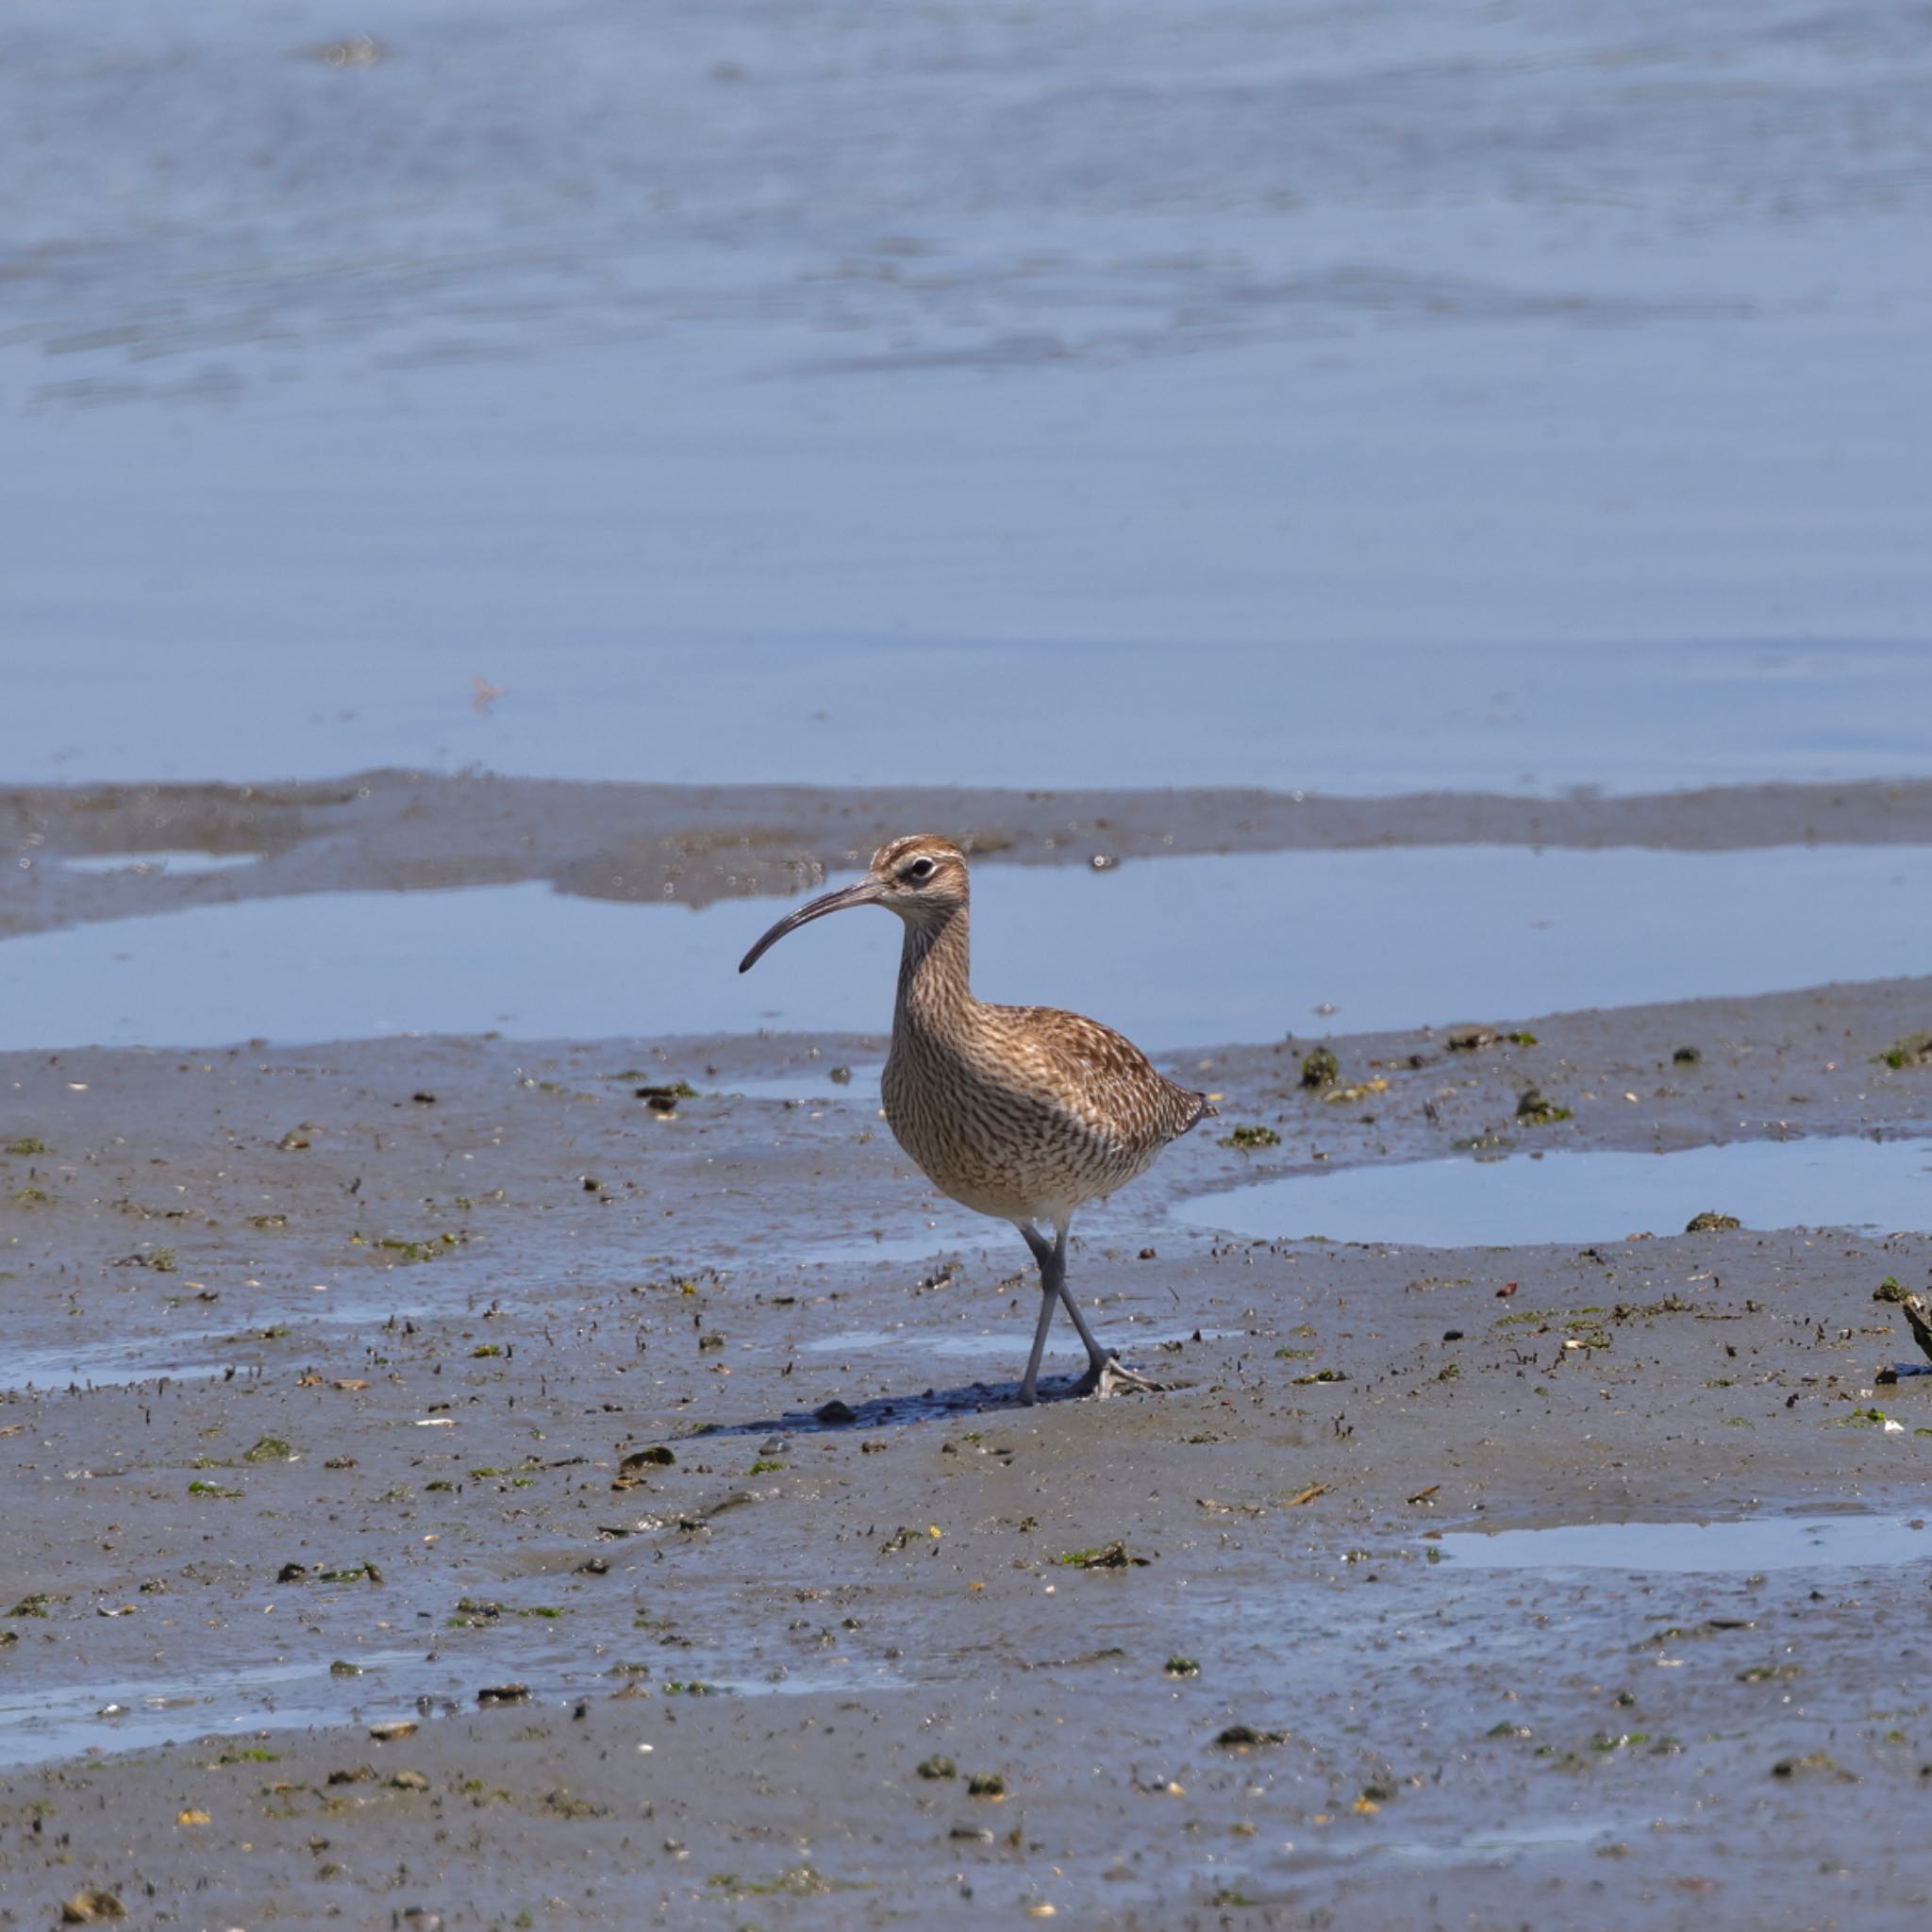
(922, 878)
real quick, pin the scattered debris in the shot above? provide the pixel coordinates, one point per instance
(94, 1902)
(1246, 1738)
(630, 1472)
(662, 1101)
(1535, 1111)
(1908, 1050)
(1340, 1095)
(1476, 1038)
(1114, 1555)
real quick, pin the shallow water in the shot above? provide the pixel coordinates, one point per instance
(1175, 952)
(223, 1711)
(1352, 434)
(226, 1711)
(1500, 1847)
(158, 861)
(203, 1349)
(66, 1721)
(1590, 1195)
(1757, 1542)
(102, 1364)
(1132, 1338)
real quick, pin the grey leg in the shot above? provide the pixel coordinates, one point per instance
(1096, 1356)
(1104, 1376)
(1052, 1267)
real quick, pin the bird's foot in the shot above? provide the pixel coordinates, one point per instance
(1112, 1378)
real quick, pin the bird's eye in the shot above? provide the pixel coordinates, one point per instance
(920, 869)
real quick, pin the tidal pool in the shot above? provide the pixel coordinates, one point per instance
(1175, 952)
(1588, 1195)
(1756, 1542)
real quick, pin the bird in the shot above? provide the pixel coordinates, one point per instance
(1025, 1113)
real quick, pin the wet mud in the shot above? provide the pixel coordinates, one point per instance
(466, 1481)
(694, 845)
(582, 1484)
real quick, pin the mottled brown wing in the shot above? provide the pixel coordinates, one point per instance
(1099, 1075)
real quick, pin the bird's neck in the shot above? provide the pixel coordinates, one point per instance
(934, 976)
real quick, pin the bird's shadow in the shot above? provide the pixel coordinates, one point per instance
(899, 1412)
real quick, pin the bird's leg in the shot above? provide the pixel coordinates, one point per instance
(1049, 1291)
(1105, 1373)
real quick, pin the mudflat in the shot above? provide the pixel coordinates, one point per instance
(510, 1483)
(491, 1432)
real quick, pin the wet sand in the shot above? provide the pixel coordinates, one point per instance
(331, 1369)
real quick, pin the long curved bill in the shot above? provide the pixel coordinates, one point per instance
(865, 894)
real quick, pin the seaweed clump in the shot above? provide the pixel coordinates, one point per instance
(1533, 1110)
(1908, 1050)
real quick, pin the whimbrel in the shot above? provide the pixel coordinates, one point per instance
(1023, 1112)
